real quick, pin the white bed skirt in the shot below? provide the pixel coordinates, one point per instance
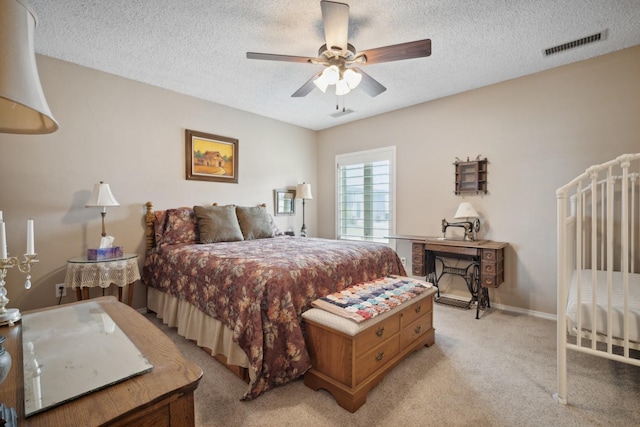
(195, 325)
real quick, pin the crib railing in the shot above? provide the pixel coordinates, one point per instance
(598, 229)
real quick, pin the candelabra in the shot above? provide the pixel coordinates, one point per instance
(8, 316)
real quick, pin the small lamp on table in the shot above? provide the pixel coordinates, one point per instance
(102, 197)
(468, 212)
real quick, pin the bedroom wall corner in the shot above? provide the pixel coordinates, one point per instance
(538, 132)
(130, 135)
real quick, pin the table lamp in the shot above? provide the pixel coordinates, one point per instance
(467, 211)
(102, 197)
(303, 192)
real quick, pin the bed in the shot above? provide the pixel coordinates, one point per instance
(598, 228)
(227, 279)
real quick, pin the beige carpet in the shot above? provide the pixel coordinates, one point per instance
(496, 371)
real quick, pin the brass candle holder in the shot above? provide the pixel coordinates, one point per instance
(8, 316)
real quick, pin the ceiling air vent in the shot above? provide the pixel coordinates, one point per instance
(341, 113)
(576, 43)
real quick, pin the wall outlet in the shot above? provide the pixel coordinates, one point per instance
(61, 290)
(403, 260)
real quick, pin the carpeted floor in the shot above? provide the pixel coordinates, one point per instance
(496, 371)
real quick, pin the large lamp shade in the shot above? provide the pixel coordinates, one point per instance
(101, 196)
(23, 107)
(466, 210)
(303, 191)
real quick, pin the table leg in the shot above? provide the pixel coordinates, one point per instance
(85, 293)
(79, 294)
(483, 295)
(130, 298)
(120, 293)
(430, 270)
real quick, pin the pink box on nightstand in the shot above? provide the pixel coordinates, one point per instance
(104, 253)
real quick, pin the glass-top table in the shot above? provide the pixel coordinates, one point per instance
(85, 260)
(84, 273)
(74, 350)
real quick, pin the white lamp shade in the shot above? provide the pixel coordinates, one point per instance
(352, 78)
(23, 107)
(342, 88)
(466, 210)
(331, 74)
(101, 196)
(304, 191)
(321, 83)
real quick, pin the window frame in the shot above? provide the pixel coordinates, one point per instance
(362, 157)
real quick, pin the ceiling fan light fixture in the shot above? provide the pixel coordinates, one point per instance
(337, 55)
(352, 78)
(321, 83)
(342, 87)
(331, 75)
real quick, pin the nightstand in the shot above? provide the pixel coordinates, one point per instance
(83, 273)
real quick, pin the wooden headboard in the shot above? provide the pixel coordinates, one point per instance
(149, 232)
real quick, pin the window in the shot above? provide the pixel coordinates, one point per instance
(365, 187)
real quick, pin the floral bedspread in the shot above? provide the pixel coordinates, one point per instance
(259, 289)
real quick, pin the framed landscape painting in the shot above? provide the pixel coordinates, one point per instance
(211, 157)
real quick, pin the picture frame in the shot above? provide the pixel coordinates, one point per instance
(284, 202)
(211, 157)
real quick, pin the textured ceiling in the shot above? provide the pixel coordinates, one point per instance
(198, 47)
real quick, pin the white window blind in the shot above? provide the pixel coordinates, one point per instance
(365, 191)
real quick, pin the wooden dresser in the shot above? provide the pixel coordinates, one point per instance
(349, 359)
(162, 397)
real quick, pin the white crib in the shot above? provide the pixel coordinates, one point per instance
(599, 264)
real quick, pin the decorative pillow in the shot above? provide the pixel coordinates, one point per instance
(218, 224)
(254, 222)
(180, 226)
(275, 228)
(158, 225)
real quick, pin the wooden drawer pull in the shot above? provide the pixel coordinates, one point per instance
(380, 331)
(418, 309)
(379, 356)
(417, 329)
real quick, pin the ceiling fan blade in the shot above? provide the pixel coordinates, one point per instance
(276, 57)
(335, 18)
(306, 88)
(370, 85)
(396, 52)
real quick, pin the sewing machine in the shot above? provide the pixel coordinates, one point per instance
(470, 228)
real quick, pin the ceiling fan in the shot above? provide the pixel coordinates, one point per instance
(340, 57)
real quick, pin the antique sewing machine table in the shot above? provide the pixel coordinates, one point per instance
(485, 269)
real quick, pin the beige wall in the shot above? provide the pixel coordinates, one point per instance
(130, 135)
(538, 132)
